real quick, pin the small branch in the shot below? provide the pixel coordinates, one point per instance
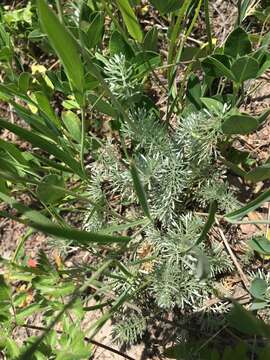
(235, 261)
(94, 342)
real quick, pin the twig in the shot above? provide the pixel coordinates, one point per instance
(234, 259)
(94, 342)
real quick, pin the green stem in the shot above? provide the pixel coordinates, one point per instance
(208, 25)
(78, 292)
(60, 10)
(239, 6)
(178, 57)
(175, 34)
(235, 93)
(82, 139)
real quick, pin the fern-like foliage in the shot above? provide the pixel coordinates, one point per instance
(122, 78)
(180, 171)
(174, 281)
(130, 329)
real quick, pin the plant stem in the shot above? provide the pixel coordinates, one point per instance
(239, 6)
(82, 138)
(60, 10)
(208, 25)
(77, 293)
(94, 342)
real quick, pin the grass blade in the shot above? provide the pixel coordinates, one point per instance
(139, 189)
(253, 205)
(43, 144)
(63, 44)
(130, 20)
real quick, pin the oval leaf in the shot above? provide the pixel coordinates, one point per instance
(95, 31)
(46, 191)
(72, 123)
(260, 244)
(217, 66)
(237, 43)
(247, 323)
(258, 288)
(239, 124)
(245, 68)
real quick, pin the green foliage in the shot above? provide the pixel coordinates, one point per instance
(129, 329)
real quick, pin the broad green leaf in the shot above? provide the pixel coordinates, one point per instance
(73, 124)
(118, 45)
(213, 105)
(99, 104)
(258, 288)
(245, 68)
(130, 20)
(150, 42)
(260, 173)
(194, 91)
(46, 189)
(217, 66)
(239, 124)
(190, 53)
(237, 43)
(145, 62)
(167, 6)
(45, 106)
(253, 205)
(95, 31)
(24, 81)
(247, 323)
(138, 186)
(264, 65)
(260, 244)
(63, 44)
(5, 290)
(43, 144)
